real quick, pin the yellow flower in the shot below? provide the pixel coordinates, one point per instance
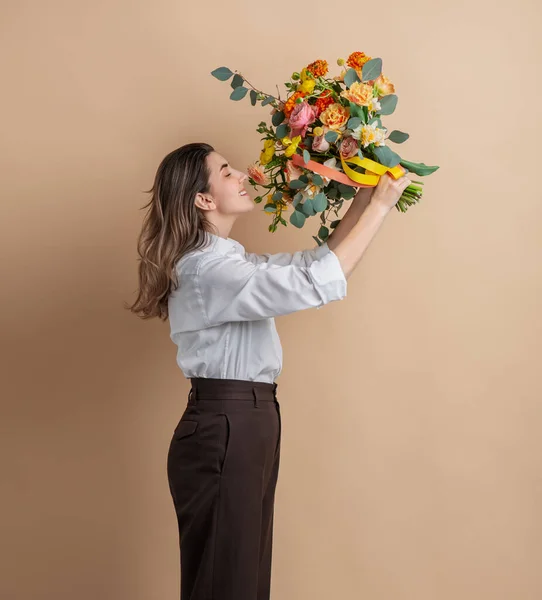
(307, 82)
(318, 131)
(268, 152)
(307, 86)
(292, 146)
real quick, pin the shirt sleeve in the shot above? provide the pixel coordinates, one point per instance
(302, 257)
(231, 288)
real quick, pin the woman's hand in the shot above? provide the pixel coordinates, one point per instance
(388, 191)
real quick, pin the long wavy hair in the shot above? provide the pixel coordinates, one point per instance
(172, 226)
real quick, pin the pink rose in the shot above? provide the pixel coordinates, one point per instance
(319, 143)
(301, 117)
(349, 147)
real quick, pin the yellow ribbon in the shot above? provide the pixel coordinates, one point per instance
(373, 170)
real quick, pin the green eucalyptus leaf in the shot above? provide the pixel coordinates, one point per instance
(297, 199)
(237, 81)
(267, 100)
(297, 219)
(307, 207)
(306, 156)
(398, 137)
(282, 130)
(319, 202)
(323, 232)
(253, 97)
(331, 136)
(353, 123)
(277, 196)
(350, 77)
(270, 208)
(277, 118)
(356, 110)
(297, 184)
(371, 69)
(386, 156)
(238, 93)
(222, 73)
(317, 179)
(388, 104)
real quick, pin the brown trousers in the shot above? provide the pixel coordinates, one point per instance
(222, 468)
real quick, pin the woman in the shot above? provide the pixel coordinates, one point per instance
(223, 459)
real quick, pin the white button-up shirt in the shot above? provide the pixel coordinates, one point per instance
(222, 313)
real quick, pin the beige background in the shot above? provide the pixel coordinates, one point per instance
(412, 456)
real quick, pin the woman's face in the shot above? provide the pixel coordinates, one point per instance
(227, 187)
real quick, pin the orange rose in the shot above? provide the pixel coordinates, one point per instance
(335, 116)
(359, 93)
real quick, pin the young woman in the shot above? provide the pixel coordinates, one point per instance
(223, 459)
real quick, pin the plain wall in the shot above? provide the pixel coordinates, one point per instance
(411, 452)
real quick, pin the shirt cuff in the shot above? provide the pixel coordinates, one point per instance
(328, 277)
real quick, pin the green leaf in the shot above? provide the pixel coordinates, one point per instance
(222, 73)
(306, 156)
(317, 180)
(277, 118)
(316, 240)
(345, 189)
(307, 208)
(238, 93)
(323, 232)
(297, 184)
(267, 100)
(297, 199)
(253, 97)
(398, 137)
(388, 104)
(237, 81)
(419, 168)
(282, 130)
(277, 196)
(320, 202)
(305, 178)
(297, 219)
(371, 69)
(356, 111)
(387, 157)
(334, 224)
(350, 77)
(331, 136)
(270, 208)
(353, 123)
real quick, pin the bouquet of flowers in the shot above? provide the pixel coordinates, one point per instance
(326, 140)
